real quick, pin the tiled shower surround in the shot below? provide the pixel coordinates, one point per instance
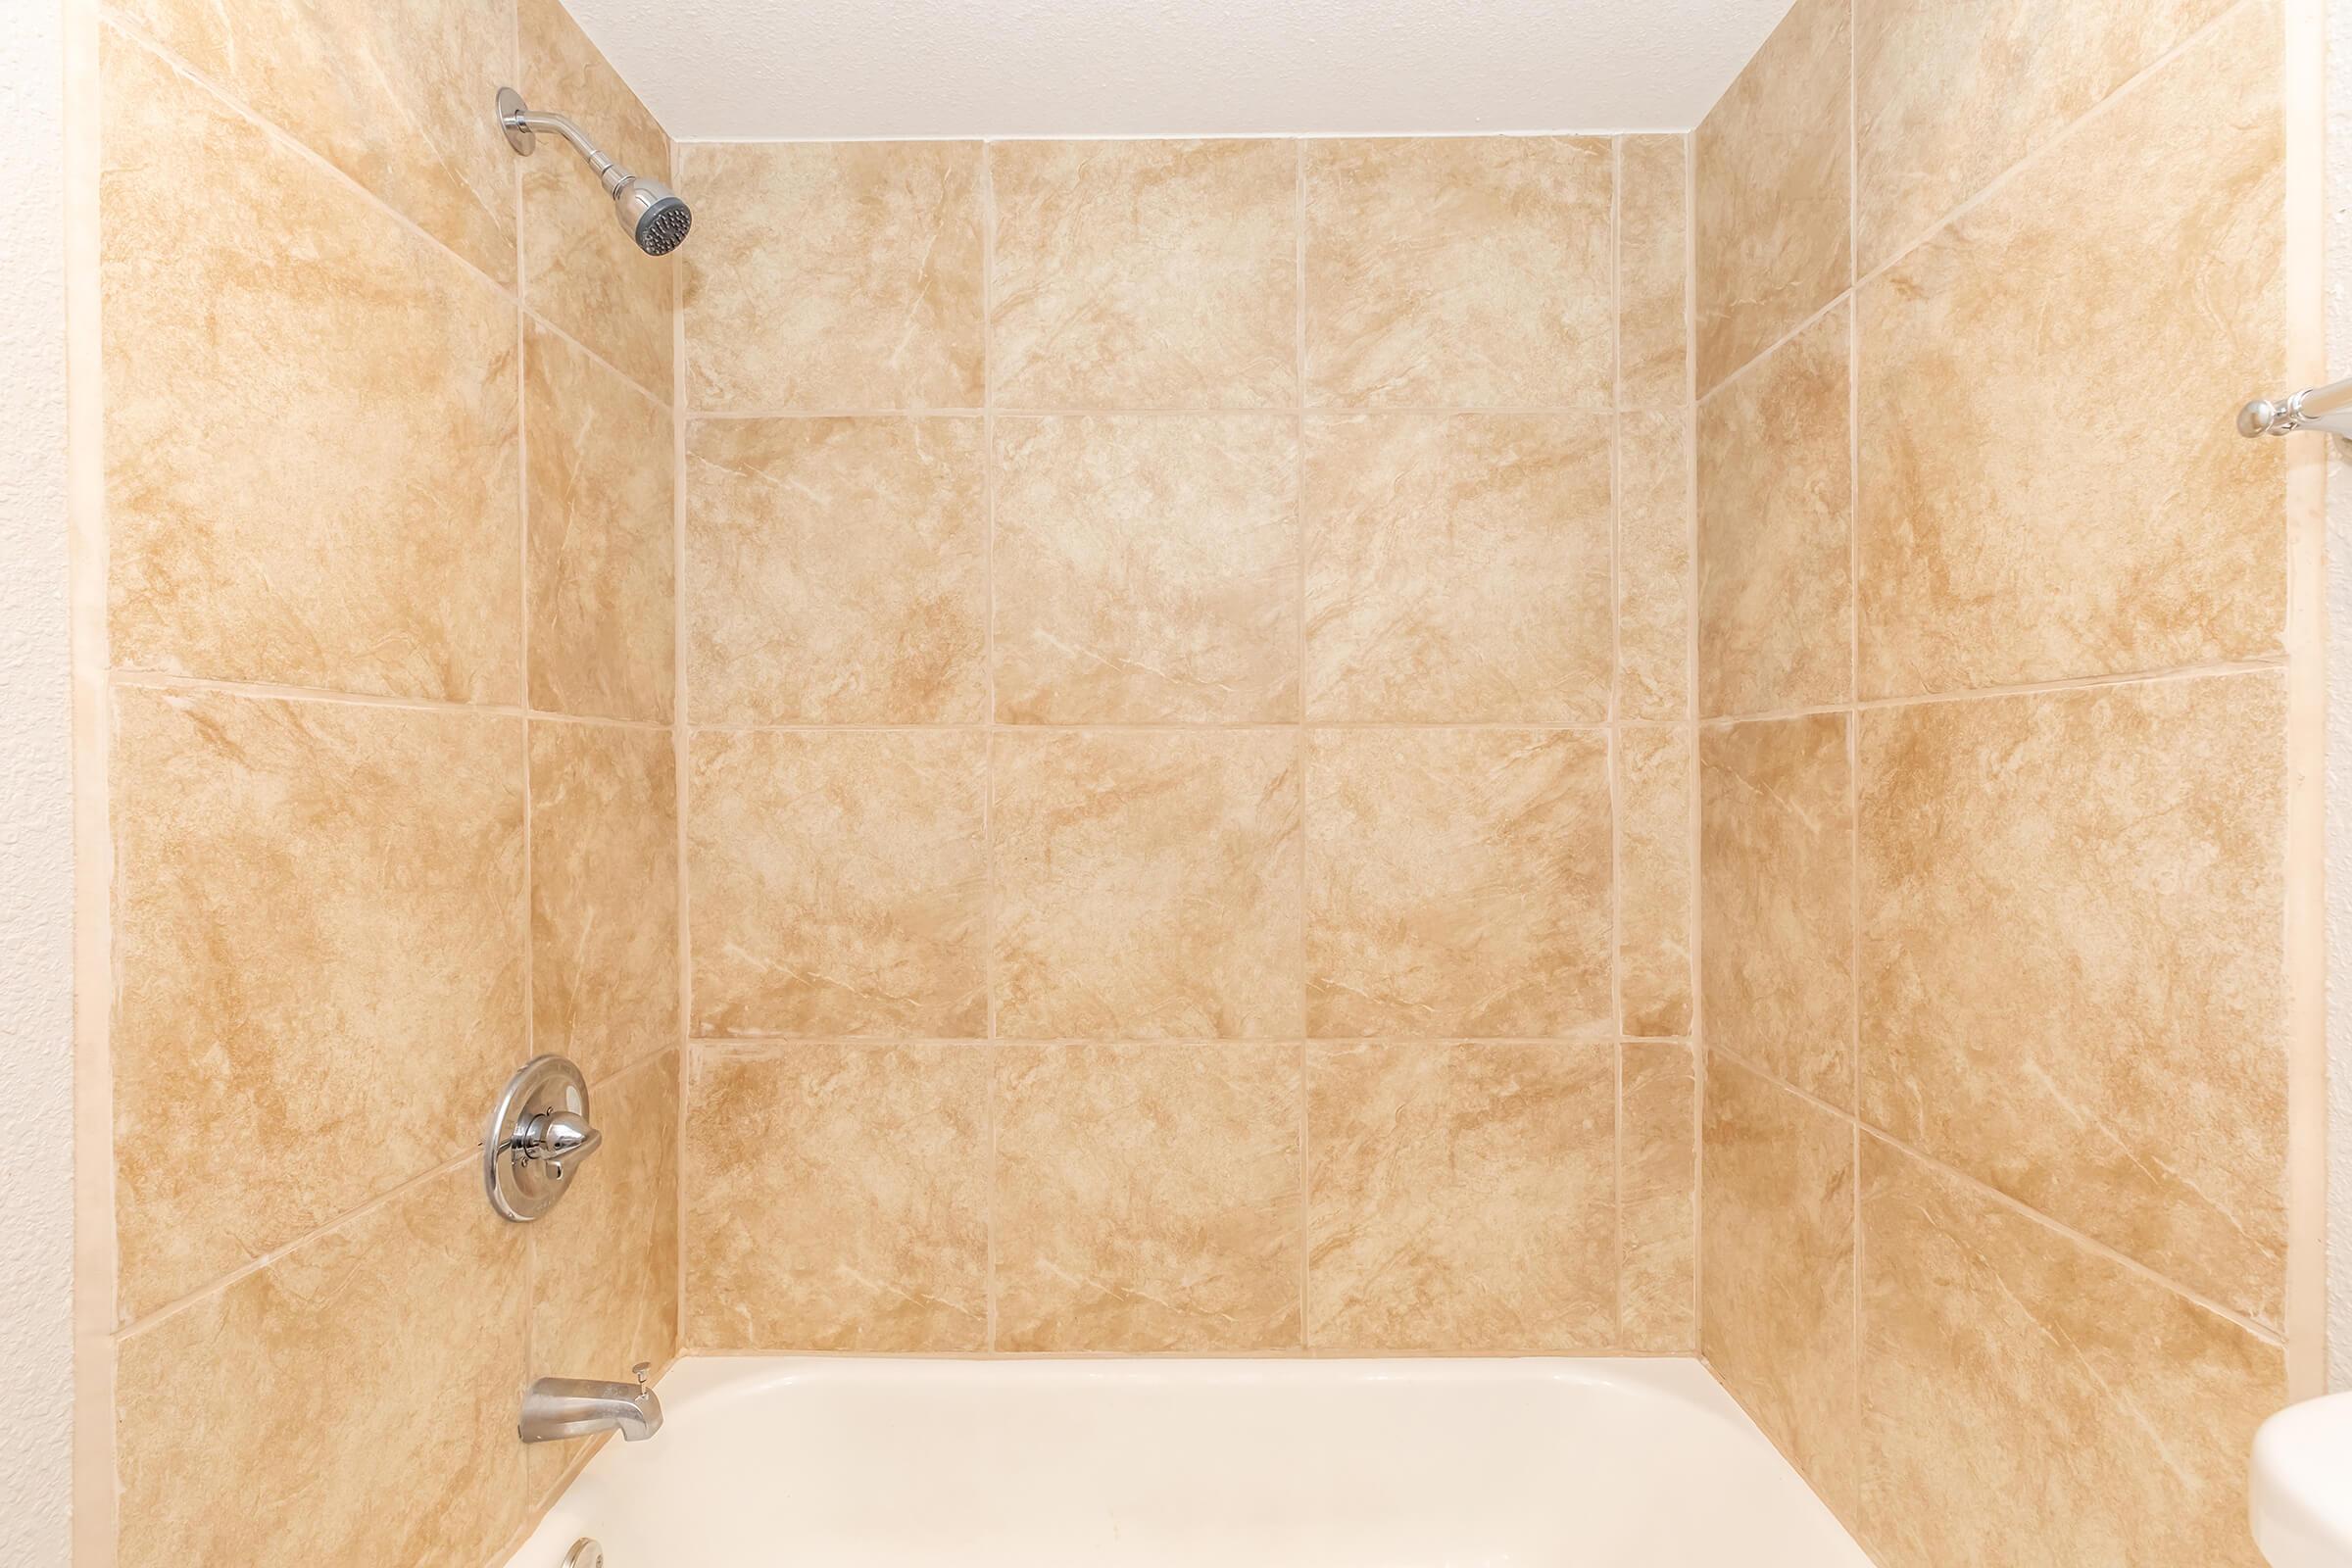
(1191, 764)
(1164, 745)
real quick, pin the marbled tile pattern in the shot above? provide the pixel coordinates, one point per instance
(1655, 781)
(1459, 272)
(1147, 884)
(1777, 1270)
(582, 271)
(1657, 1198)
(1148, 1197)
(1655, 535)
(839, 883)
(272, 1423)
(318, 912)
(1457, 883)
(1991, 553)
(1460, 1197)
(604, 1261)
(603, 893)
(2072, 910)
(836, 571)
(838, 1197)
(1653, 284)
(1458, 568)
(1297, 567)
(1772, 183)
(842, 276)
(1776, 510)
(600, 503)
(1147, 569)
(1776, 878)
(2026, 1398)
(1943, 105)
(1145, 275)
(270, 389)
(337, 76)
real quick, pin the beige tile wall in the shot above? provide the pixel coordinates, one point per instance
(389, 522)
(1994, 769)
(1190, 825)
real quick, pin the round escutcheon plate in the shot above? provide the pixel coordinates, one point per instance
(522, 1187)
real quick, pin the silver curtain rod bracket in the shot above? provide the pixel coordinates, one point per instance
(2320, 407)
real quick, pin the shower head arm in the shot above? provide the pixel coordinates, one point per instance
(610, 173)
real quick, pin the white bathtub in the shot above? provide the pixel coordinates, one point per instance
(858, 1463)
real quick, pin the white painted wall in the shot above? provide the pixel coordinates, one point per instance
(36, 861)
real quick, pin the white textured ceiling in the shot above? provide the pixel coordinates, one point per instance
(748, 70)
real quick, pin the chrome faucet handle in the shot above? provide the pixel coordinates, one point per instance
(555, 1137)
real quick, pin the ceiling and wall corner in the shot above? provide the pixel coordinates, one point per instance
(36, 861)
(852, 69)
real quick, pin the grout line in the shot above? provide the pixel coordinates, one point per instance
(1616, 753)
(1853, 691)
(1332, 411)
(683, 757)
(173, 1308)
(266, 691)
(1507, 727)
(2267, 1334)
(1299, 479)
(989, 914)
(2079, 683)
(786, 1044)
(1694, 774)
(522, 478)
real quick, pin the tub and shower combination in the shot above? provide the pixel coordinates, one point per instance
(860, 1462)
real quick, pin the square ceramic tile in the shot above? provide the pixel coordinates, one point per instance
(1458, 568)
(1991, 553)
(1147, 569)
(834, 276)
(267, 1424)
(1145, 275)
(1461, 1197)
(1457, 883)
(338, 78)
(838, 1197)
(1147, 884)
(318, 912)
(2018, 1387)
(836, 571)
(1949, 98)
(1148, 1197)
(1470, 271)
(266, 519)
(2072, 911)
(838, 883)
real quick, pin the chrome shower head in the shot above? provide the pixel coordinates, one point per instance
(656, 219)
